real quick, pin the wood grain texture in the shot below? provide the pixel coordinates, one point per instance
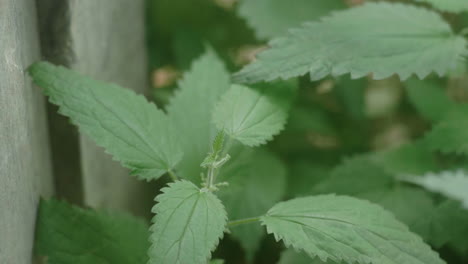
(108, 44)
(104, 40)
(25, 171)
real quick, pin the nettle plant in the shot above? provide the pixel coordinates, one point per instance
(208, 141)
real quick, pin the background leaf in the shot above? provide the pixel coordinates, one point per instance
(257, 178)
(449, 5)
(70, 235)
(453, 184)
(450, 135)
(429, 98)
(290, 256)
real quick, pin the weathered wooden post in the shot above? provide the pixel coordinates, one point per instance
(104, 40)
(25, 171)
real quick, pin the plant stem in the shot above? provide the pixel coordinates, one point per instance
(243, 221)
(464, 31)
(172, 175)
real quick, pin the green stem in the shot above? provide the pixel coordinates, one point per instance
(172, 175)
(227, 146)
(210, 178)
(464, 31)
(243, 221)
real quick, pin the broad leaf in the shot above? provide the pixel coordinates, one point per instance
(270, 18)
(447, 223)
(188, 225)
(253, 115)
(290, 256)
(453, 184)
(70, 235)
(406, 40)
(341, 228)
(429, 98)
(354, 176)
(304, 175)
(409, 205)
(257, 178)
(191, 110)
(411, 158)
(451, 134)
(130, 128)
(449, 5)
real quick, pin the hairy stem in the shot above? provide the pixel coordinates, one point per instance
(172, 175)
(243, 221)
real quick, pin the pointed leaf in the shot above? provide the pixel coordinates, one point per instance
(341, 228)
(70, 235)
(270, 18)
(455, 6)
(429, 98)
(191, 110)
(253, 115)
(406, 40)
(409, 205)
(130, 128)
(453, 184)
(188, 225)
(451, 134)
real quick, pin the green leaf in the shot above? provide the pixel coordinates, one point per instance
(447, 223)
(354, 176)
(341, 228)
(253, 115)
(453, 184)
(304, 175)
(271, 18)
(71, 235)
(411, 158)
(309, 119)
(257, 181)
(409, 205)
(407, 40)
(217, 261)
(455, 6)
(451, 134)
(188, 225)
(351, 94)
(290, 256)
(130, 128)
(429, 98)
(191, 110)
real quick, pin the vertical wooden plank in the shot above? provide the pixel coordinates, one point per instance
(105, 40)
(108, 44)
(25, 172)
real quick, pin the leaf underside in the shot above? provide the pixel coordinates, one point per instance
(453, 184)
(406, 40)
